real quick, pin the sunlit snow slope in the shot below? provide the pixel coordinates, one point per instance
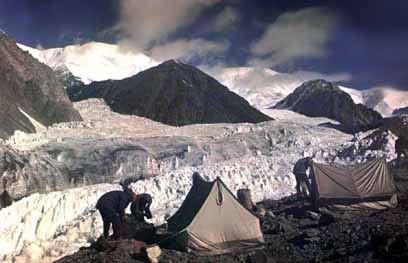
(94, 61)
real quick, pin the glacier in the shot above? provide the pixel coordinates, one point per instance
(59, 219)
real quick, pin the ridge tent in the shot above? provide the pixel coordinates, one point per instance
(212, 221)
(366, 185)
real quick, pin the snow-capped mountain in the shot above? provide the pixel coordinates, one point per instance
(94, 61)
(264, 87)
(261, 87)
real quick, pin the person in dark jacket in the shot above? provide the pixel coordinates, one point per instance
(140, 208)
(303, 185)
(401, 148)
(112, 207)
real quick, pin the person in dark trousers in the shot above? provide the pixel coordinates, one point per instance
(303, 186)
(112, 207)
(140, 208)
(401, 148)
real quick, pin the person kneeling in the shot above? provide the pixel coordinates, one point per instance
(140, 208)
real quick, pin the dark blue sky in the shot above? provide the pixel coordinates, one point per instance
(368, 38)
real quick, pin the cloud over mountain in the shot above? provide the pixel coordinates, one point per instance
(143, 23)
(294, 35)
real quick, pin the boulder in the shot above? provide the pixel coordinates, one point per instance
(152, 253)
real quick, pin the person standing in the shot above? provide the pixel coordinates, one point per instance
(401, 148)
(303, 185)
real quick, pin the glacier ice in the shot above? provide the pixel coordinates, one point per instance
(44, 226)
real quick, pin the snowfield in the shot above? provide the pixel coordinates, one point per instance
(43, 227)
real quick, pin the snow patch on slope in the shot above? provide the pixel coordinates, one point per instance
(37, 125)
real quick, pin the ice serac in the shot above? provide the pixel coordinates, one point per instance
(29, 89)
(319, 98)
(172, 93)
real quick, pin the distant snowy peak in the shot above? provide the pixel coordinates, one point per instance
(264, 87)
(94, 61)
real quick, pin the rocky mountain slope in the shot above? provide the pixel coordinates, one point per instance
(30, 95)
(172, 93)
(319, 98)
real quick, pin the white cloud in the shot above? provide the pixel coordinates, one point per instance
(143, 22)
(187, 49)
(294, 35)
(39, 47)
(226, 19)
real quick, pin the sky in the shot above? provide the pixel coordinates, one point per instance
(363, 42)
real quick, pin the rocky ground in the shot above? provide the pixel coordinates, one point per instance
(294, 233)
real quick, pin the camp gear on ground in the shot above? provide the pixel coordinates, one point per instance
(366, 185)
(244, 197)
(212, 221)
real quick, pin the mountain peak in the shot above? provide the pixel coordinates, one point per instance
(172, 62)
(321, 98)
(173, 93)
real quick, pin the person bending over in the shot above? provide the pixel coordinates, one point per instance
(112, 207)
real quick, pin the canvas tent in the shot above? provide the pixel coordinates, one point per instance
(212, 221)
(366, 185)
